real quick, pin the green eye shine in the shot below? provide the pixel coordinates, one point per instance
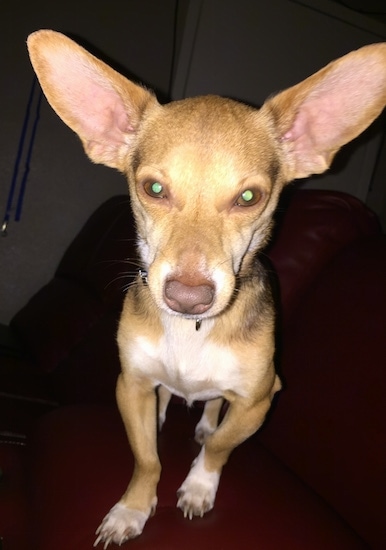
(156, 188)
(249, 197)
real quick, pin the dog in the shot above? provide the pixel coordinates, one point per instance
(204, 177)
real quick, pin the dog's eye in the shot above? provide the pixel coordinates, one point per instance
(249, 197)
(155, 189)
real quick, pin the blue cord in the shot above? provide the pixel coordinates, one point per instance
(11, 194)
(23, 183)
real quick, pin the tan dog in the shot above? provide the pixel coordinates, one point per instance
(204, 176)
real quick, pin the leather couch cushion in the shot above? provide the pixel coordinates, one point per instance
(103, 255)
(312, 227)
(81, 463)
(13, 496)
(329, 424)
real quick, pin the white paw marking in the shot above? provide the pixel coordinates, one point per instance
(120, 525)
(197, 494)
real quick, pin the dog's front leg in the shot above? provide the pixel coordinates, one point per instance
(137, 404)
(197, 494)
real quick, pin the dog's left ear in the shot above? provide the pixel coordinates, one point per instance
(103, 107)
(327, 110)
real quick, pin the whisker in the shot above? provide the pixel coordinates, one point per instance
(126, 288)
(125, 275)
(134, 261)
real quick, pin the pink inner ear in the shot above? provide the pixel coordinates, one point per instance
(100, 113)
(89, 100)
(336, 104)
(311, 118)
(337, 108)
(314, 126)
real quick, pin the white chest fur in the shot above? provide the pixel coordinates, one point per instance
(186, 361)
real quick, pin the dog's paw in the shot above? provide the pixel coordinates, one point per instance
(203, 429)
(161, 419)
(197, 494)
(195, 499)
(120, 525)
(164, 396)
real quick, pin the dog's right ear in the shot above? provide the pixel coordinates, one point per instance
(100, 105)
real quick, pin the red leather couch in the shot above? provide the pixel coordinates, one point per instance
(313, 477)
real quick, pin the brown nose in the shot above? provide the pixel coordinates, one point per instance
(193, 300)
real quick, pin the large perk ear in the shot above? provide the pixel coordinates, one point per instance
(327, 110)
(99, 104)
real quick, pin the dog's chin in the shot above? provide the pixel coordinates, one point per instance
(189, 316)
(214, 311)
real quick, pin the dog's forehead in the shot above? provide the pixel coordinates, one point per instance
(208, 131)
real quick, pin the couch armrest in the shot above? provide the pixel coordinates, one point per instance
(312, 227)
(329, 422)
